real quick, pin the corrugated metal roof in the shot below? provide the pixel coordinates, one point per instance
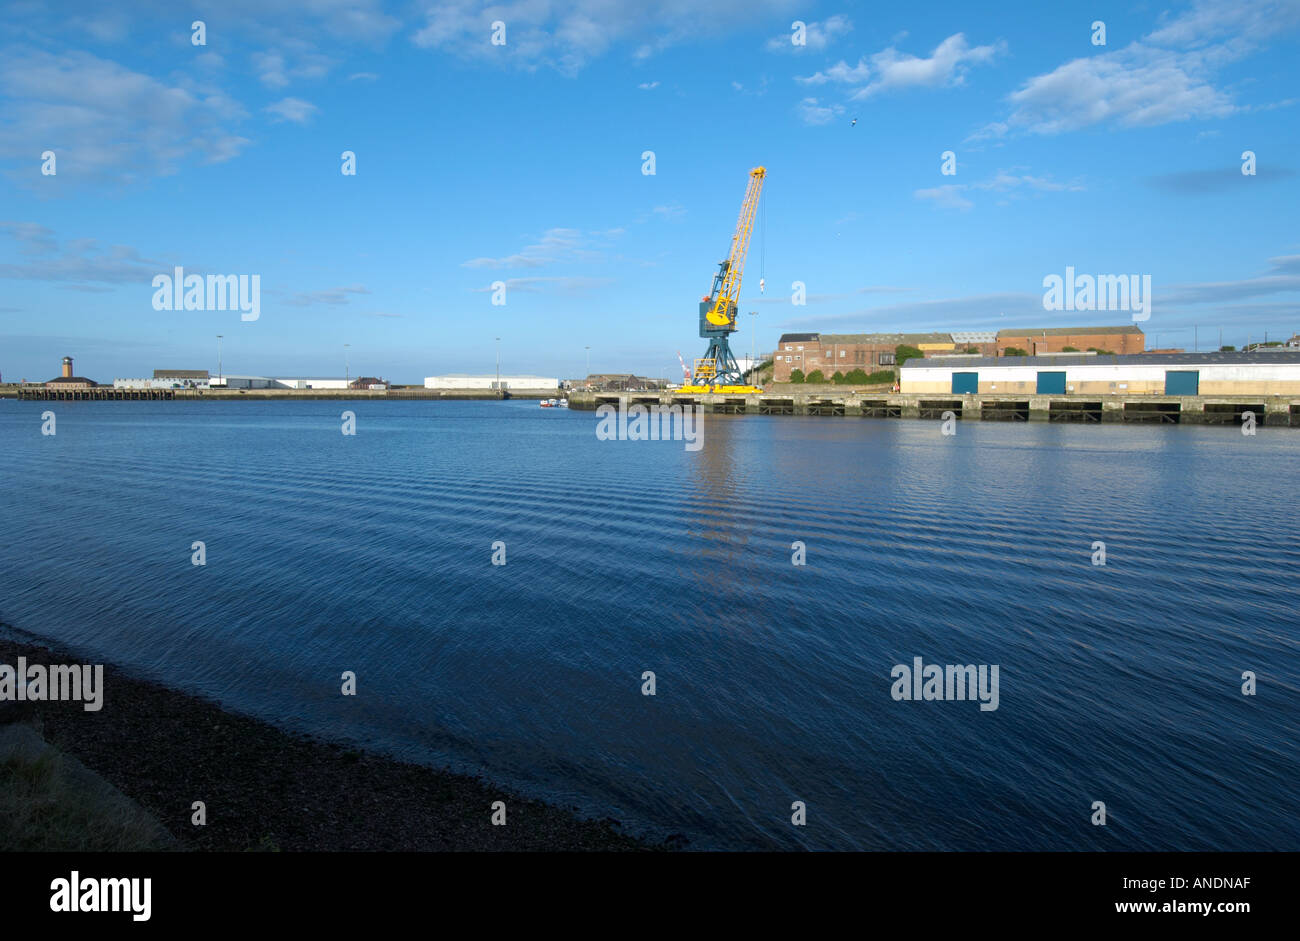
(890, 338)
(1132, 359)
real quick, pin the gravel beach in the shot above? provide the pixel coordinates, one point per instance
(266, 789)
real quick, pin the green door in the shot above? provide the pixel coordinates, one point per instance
(965, 383)
(1186, 382)
(1051, 383)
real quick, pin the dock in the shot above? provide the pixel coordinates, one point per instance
(1274, 410)
(40, 393)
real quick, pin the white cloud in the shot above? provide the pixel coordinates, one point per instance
(1165, 77)
(566, 35)
(331, 296)
(839, 72)
(105, 120)
(946, 66)
(1006, 182)
(646, 86)
(536, 285)
(811, 111)
(292, 109)
(554, 246)
(817, 35)
(77, 263)
(946, 197)
(1130, 88)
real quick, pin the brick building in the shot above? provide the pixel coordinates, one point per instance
(845, 352)
(1121, 340)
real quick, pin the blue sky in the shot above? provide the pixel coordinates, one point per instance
(522, 163)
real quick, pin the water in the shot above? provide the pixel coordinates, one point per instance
(372, 553)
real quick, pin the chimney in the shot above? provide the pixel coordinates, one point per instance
(67, 367)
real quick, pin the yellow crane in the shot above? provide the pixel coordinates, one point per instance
(717, 370)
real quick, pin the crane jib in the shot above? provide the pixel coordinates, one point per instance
(732, 270)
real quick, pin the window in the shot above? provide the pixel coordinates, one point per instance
(788, 348)
(842, 354)
(787, 359)
(801, 349)
(886, 359)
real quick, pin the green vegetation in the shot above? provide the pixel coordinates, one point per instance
(1014, 351)
(796, 375)
(903, 352)
(50, 802)
(1100, 352)
(816, 376)
(1227, 349)
(1069, 349)
(972, 349)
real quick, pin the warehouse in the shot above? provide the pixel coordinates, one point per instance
(844, 352)
(1258, 373)
(460, 381)
(1035, 341)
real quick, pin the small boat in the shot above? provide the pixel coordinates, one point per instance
(547, 403)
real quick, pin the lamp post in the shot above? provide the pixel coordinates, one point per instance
(219, 336)
(498, 364)
(588, 376)
(752, 332)
(347, 366)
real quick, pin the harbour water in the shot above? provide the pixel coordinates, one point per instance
(325, 552)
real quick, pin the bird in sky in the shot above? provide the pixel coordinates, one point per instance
(853, 123)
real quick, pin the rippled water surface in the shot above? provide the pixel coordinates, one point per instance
(373, 553)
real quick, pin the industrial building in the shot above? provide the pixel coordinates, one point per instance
(505, 383)
(67, 381)
(158, 382)
(303, 382)
(843, 352)
(1121, 340)
(1213, 374)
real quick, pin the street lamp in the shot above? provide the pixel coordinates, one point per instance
(498, 364)
(219, 336)
(347, 366)
(588, 376)
(752, 332)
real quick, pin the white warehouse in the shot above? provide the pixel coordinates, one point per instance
(460, 381)
(1257, 373)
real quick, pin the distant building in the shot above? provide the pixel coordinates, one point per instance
(193, 374)
(461, 381)
(304, 382)
(1275, 373)
(228, 381)
(1120, 340)
(845, 352)
(368, 382)
(66, 380)
(162, 383)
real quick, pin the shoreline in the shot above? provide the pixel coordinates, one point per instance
(268, 789)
